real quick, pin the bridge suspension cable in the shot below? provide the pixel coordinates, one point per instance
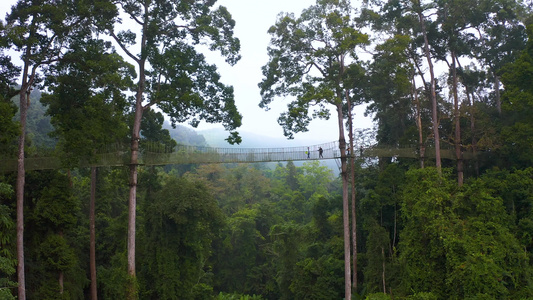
(158, 154)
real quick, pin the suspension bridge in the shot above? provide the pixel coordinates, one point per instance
(156, 154)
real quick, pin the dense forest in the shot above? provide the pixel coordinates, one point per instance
(446, 74)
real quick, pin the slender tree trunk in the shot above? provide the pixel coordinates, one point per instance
(497, 91)
(92, 234)
(383, 270)
(473, 129)
(354, 224)
(421, 147)
(61, 274)
(395, 232)
(345, 205)
(24, 102)
(433, 92)
(134, 161)
(61, 280)
(352, 182)
(21, 178)
(457, 117)
(132, 203)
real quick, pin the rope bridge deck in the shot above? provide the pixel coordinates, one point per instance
(183, 154)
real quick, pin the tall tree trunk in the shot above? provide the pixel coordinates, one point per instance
(345, 205)
(352, 182)
(21, 178)
(383, 270)
(497, 91)
(421, 147)
(457, 117)
(395, 232)
(473, 129)
(61, 280)
(92, 234)
(61, 276)
(132, 203)
(134, 161)
(24, 102)
(433, 92)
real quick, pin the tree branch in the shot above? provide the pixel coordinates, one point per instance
(135, 58)
(131, 14)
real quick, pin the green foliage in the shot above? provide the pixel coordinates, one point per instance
(234, 188)
(378, 296)
(111, 214)
(57, 254)
(390, 90)
(8, 127)
(57, 208)
(7, 257)
(320, 278)
(51, 236)
(49, 290)
(114, 279)
(239, 252)
(87, 103)
(518, 106)
(458, 243)
(234, 296)
(377, 255)
(314, 179)
(182, 219)
(422, 296)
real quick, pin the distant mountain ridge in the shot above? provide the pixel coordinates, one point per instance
(216, 138)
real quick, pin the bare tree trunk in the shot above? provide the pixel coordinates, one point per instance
(352, 182)
(24, 102)
(473, 130)
(92, 234)
(61, 274)
(345, 205)
(395, 229)
(421, 147)
(457, 117)
(497, 90)
(61, 285)
(21, 179)
(132, 203)
(134, 161)
(383, 270)
(354, 224)
(434, 115)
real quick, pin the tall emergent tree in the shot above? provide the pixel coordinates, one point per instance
(413, 18)
(39, 31)
(309, 59)
(172, 74)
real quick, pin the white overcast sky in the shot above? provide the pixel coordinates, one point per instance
(253, 18)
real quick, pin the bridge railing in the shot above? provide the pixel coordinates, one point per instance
(194, 154)
(183, 154)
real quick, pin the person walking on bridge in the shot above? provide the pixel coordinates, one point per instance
(320, 151)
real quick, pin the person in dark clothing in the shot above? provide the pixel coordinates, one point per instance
(320, 151)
